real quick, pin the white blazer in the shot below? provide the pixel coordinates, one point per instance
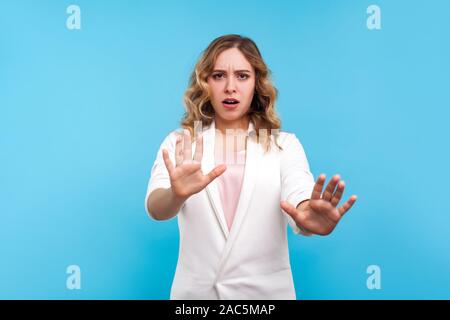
(251, 261)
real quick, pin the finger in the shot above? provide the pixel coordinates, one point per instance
(289, 208)
(179, 150)
(167, 162)
(214, 173)
(328, 194)
(187, 148)
(317, 191)
(199, 149)
(293, 212)
(346, 206)
(338, 194)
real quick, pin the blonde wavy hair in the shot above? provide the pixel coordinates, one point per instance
(262, 109)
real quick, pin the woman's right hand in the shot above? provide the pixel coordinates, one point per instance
(186, 177)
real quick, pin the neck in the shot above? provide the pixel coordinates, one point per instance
(223, 125)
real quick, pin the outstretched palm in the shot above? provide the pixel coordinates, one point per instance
(320, 214)
(186, 177)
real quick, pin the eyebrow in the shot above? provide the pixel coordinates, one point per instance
(242, 70)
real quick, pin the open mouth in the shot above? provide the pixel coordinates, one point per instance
(230, 103)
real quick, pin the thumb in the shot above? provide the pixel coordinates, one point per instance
(289, 208)
(214, 173)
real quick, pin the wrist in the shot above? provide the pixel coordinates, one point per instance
(178, 199)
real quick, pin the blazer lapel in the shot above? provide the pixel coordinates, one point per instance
(252, 163)
(254, 153)
(212, 189)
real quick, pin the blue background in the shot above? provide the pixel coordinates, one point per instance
(83, 112)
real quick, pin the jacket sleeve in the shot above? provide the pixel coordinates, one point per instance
(297, 181)
(159, 176)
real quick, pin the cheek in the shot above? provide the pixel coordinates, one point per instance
(214, 90)
(248, 90)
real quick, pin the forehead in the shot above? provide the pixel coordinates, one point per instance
(232, 59)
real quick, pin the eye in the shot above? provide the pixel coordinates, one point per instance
(243, 76)
(217, 76)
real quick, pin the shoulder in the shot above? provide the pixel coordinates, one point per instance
(170, 139)
(285, 139)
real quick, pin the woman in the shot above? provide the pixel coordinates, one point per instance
(233, 215)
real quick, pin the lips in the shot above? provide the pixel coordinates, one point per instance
(230, 101)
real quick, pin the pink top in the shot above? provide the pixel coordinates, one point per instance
(230, 183)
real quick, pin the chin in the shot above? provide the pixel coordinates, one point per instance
(229, 117)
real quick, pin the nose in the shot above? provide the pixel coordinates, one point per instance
(230, 85)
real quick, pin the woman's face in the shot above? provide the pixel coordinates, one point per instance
(233, 77)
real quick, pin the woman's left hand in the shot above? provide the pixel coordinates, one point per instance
(320, 214)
